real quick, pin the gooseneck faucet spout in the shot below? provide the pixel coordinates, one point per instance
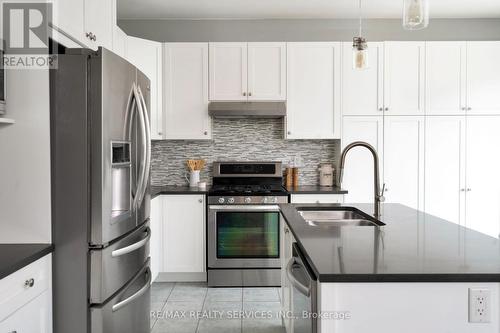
(378, 195)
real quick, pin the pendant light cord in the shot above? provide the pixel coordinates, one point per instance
(360, 22)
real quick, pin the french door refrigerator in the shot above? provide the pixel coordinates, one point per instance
(100, 155)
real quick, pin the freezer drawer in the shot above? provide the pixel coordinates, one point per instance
(113, 266)
(127, 311)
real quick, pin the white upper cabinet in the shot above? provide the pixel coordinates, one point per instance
(146, 55)
(358, 171)
(404, 78)
(69, 17)
(228, 71)
(266, 71)
(483, 77)
(247, 71)
(362, 90)
(404, 160)
(445, 78)
(98, 23)
(90, 22)
(186, 91)
(313, 96)
(119, 41)
(444, 171)
(482, 174)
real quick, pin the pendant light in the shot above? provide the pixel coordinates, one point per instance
(415, 14)
(359, 48)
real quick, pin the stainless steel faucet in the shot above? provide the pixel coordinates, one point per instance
(379, 195)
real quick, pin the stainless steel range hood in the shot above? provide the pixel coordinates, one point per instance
(247, 109)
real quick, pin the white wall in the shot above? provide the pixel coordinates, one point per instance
(25, 213)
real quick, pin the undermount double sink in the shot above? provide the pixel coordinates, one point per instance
(336, 217)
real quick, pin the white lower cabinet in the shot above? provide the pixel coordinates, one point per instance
(156, 243)
(317, 198)
(287, 241)
(184, 234)
(26, 299)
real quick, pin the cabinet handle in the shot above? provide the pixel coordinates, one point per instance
(205, 133)
(462, 190)
(289, 132)
(386, 109)
(29, 283)
(469, 189)
(464, 109)
(317, 201)
(200, 200)
(469, 108)
(249, 94)
(244, 94)
(381, 109)
(286, 230)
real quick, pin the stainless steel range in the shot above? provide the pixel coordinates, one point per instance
(244, 223)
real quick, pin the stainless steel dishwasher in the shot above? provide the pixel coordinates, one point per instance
(304, 289)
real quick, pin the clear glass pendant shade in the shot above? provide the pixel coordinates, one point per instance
(415, 14)
(360, 54)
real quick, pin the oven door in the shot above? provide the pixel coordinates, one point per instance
(245, 236)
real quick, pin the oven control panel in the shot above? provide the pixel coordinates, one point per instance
(247, 200)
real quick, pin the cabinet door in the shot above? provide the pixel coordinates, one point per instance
(146, 55)
(483, 77)
(403, 160)
(98, 21)
(186, 91)
(483, 174)
(362, 90)
(313, 103)
(404, 78)
(68, 16)
(445, 78)
(34, 317)
(155, 248)
(228, 72)
(266, 71)
(444, 172)
(358, 171)
(184, 234)
(119, 41)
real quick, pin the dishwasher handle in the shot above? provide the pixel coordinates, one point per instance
(303, 289)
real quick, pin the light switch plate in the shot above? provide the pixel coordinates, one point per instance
(479, 305)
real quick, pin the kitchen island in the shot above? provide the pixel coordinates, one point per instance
(414, 273)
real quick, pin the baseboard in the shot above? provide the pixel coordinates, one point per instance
(182, 277)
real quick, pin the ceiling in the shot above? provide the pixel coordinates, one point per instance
(290, 9)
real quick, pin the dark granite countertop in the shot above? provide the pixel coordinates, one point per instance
(172, 189)
(411, 247)
(315, 189)
(13, 257)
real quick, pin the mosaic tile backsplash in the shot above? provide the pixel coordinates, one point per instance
(241, 140)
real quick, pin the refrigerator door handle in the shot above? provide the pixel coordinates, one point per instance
(147, 130)
(133, 247)
(141, 186)
(138, 294)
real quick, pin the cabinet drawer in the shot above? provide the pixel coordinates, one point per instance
(34, 317)
(317, 198)
(16, 289)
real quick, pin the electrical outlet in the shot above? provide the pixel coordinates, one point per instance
(479, 305)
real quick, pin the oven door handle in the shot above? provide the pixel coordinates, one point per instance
(266, 208)
(303, 289)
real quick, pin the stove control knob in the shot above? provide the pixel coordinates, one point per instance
(248, 200)
(221, 200)
(230, 200)
(274, 199)
(265, 200)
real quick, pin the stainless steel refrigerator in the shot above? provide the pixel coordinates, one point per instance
(100, 155)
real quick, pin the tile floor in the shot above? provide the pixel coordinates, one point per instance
(185, 307)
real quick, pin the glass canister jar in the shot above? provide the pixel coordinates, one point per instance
(326, 174)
